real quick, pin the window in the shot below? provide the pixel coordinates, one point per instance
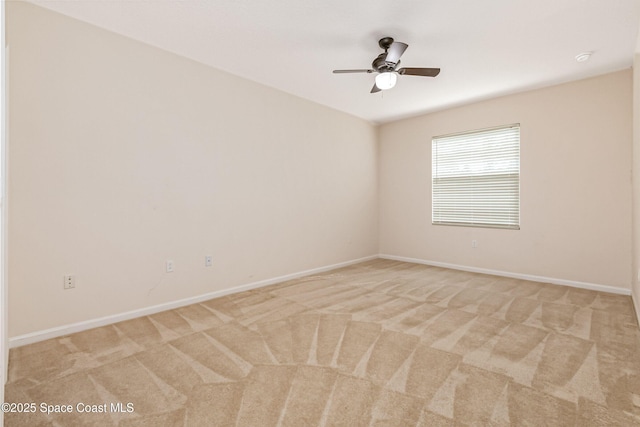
(476, 178)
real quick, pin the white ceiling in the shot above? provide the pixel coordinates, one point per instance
(484, 48)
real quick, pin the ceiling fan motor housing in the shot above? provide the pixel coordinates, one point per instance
(381, 65)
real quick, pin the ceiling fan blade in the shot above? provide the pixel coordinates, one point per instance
(351, 71)
(395, 51)
(427, 72)
(375, 89)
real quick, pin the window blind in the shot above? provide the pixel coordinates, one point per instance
(476, 178)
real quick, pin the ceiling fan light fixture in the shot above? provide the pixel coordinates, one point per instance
(386, 80)
(386, 65)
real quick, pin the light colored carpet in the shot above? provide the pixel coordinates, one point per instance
(381, 343)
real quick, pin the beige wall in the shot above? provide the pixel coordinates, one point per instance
(635, 274)
(575, 185)
(124, 156)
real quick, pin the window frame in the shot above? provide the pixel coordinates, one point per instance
(506, 181)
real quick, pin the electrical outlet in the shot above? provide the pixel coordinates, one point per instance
(169, 265)
(474, 244)
(208, 261)
(69, 282)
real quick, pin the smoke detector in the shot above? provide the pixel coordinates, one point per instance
(584, 56)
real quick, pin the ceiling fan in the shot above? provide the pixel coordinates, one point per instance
(386, 65)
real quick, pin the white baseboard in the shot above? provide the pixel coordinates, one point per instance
(572, 283)
(59, 331)
(636, 305)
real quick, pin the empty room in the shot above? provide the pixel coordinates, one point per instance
(305, 213)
